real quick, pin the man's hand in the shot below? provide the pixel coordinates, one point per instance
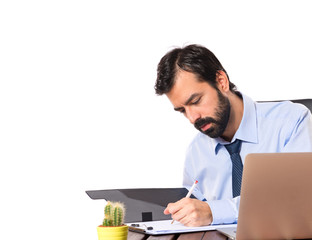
(190, 212)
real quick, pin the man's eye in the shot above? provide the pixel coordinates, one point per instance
(196, 102)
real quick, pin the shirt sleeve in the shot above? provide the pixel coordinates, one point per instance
(299, 138)
(225, 210)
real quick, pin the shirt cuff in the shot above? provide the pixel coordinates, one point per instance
(224, 211)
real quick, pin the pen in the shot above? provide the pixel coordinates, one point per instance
(189, 193)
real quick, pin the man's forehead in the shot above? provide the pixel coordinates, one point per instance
(183, 82)
(185, 86)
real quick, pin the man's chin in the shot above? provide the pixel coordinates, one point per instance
(212, 132)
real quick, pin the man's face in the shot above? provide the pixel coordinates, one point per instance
(205, 107)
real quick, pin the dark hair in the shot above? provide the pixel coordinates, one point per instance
(192, 58)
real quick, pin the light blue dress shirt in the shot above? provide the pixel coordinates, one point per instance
(265, 127)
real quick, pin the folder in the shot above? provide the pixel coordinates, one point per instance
(142, 204)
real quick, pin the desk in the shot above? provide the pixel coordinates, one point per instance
(210, 235)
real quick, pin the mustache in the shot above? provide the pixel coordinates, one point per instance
(203, 121)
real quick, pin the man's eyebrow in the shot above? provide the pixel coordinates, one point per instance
(187, 102)
(179, 109)
(194, 95)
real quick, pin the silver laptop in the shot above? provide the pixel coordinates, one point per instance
(276, 197)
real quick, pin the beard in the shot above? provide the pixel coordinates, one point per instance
(219, 123)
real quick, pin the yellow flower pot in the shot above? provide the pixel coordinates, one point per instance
(112, 233)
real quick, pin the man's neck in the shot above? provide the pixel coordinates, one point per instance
(236, 116)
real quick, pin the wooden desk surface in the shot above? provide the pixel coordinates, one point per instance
(209, 235)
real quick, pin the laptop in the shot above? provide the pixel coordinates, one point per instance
(276, 197)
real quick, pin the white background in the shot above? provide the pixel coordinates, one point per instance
(77, 104)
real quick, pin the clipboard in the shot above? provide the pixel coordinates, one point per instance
(164, 227)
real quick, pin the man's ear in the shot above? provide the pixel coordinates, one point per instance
(222, 81)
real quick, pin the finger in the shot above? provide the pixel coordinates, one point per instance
(181, 213)
(186, 220)
(172, 208)
(179, 216)
(166, 211)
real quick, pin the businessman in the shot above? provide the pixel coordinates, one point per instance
(230, 126)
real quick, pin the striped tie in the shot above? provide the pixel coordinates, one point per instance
(237, 166)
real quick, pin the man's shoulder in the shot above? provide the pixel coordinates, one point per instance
(281, 110)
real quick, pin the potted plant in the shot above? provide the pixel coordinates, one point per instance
(113, 226)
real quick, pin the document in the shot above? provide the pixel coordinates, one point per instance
(165, 227)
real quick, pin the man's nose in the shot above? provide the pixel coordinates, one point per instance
(192, 115)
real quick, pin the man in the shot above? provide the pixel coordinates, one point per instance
(199, 87)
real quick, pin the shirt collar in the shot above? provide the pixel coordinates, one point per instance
(247, 130)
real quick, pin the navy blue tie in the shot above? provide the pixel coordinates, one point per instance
(237, 166)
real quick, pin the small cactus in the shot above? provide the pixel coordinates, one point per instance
(114, 214)
(108, 211)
